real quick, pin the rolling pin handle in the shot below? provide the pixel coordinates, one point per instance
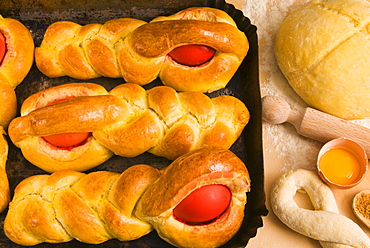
(314, 124)
(275, 110)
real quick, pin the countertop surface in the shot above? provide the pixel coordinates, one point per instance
(284, 148)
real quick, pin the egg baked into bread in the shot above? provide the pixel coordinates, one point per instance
(80, 125)
(73, 127)
(196, 49)
(104, 205)
(16, 58)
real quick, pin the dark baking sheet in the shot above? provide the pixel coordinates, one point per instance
(37, 15)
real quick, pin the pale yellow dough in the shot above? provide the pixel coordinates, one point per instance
(323, 49)
(324, 223)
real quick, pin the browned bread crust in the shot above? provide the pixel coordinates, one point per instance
(127, 121)
(83, 52)
(26, 132)
(8, 104)
(14, 67)
(20, 51)
(138, 51)
(104, 205)
(201, 167)
(4, 183)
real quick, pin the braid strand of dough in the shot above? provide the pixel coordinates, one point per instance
(324, 224)
(18, 58)
(14, 67)
(4, 183)
(137, 51)
(127, 121)
(99, 206)
(59, 207)
(83, 52)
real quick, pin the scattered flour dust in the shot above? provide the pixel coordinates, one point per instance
(296, 151)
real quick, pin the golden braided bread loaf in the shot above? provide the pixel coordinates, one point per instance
(126, 121)
(16, 58)
(95, 207)
(4, 183)
(140, 52)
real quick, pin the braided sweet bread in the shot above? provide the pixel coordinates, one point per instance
(197, 49)
(16, 58)
(4, 183)
(126, 121)
(104, 205)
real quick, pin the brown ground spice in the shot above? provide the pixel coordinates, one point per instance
(363, 205)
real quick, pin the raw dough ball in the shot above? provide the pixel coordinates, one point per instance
(323, 49)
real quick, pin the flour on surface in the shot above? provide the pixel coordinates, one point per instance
(297, 151)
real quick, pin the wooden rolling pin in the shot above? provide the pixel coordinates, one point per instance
(314, 124)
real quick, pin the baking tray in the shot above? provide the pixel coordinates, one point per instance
(37, 15)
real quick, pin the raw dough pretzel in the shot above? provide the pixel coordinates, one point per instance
(127, 121)
(104, 205)
(324, 224)
(138, 51)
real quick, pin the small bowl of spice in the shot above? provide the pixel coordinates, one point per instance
(361, 206)
(342, 163)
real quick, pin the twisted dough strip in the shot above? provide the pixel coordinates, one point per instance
(4, 183)
(138, 51)
(104, 205)
(127, 121)
(324, 224)
(15, 64)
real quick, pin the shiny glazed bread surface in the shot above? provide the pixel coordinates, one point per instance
(104, 205)
(126, 121)
(138, 51)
